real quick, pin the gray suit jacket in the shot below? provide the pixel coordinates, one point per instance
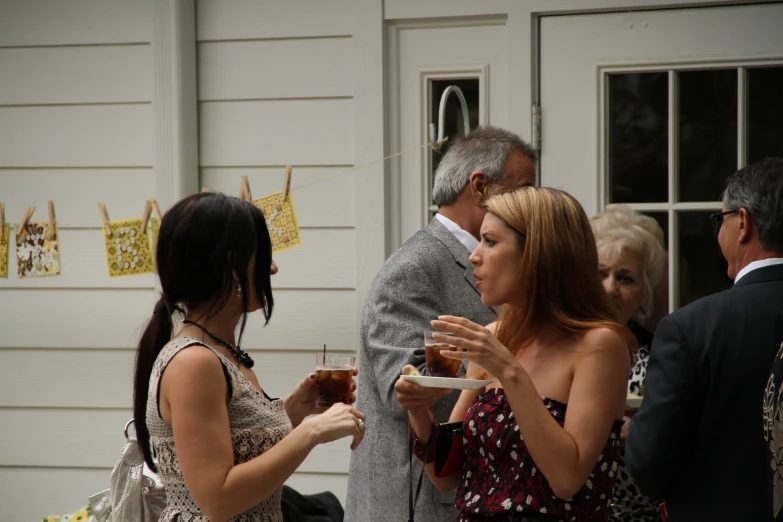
(428, 276)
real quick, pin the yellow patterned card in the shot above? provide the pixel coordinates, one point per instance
(128, 250)
(5, 236)
(281, 221)
(37, 256)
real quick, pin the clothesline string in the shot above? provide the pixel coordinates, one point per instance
(99, 226)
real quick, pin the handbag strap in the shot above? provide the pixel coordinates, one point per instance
(412, 500)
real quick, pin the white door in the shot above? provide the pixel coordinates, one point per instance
(426, 57)
(654, 109)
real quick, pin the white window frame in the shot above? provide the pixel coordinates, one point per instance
(426, 76)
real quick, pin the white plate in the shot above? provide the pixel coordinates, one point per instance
(633, 401)
(447, 382)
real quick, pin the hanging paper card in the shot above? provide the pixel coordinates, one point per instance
(5, 236)
(281, 221)
(36, 254)
(127, 249)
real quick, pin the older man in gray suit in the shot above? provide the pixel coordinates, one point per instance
(428, 276)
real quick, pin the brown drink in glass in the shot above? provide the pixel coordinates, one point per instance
(437, 364)
(334, 375)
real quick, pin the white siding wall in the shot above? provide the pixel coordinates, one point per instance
(76, 127)
(275, 88)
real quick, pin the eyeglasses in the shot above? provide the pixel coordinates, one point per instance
(717, 218)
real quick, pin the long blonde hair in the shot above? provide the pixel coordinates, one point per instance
(559, 281)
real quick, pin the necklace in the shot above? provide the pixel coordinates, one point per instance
(242, 356)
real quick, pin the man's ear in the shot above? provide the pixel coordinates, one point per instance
(479, 185)
(744, 226)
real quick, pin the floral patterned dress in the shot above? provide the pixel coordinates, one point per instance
(630, 504)
(773, 434)
(500, 478)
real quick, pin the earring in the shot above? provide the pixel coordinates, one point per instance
(239, 290)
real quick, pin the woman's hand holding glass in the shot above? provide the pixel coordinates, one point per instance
(340, 420)
(475, 344)
(302, 401)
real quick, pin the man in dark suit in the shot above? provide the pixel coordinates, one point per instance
(428, 276)
(698, 439)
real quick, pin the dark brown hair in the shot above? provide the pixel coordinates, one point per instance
(204, 240)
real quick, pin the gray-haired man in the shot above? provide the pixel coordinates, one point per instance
(428, 276)
(698, 439)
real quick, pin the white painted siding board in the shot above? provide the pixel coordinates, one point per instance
(278, 132)
(75, 193)
(30, 494)
(76, 136)
(303, 319)
(83, 263)
(66, 378)
(84, 318)
(59, 377)
(94, 438)
(54, 22)
(101, 74)
(329, 203)
(308, 68)
(250, 19)
(411, 9)
(310, 483)
(62, 438)
(324, 260)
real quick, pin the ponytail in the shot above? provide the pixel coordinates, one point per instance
(156, 335)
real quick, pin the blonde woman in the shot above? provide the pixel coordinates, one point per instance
(631, 262)
(541, 442)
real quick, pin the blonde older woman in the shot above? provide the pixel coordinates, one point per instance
(631, 262)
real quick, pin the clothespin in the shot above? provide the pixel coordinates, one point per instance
(156, 209)
(145, 217)
(28, 213)
(286, 187)
(205, 189)
(104, 217)
(50, 234)
(244, 190)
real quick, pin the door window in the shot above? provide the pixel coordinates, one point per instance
(673, 137)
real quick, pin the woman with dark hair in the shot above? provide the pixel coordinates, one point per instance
(541, 441)
(223, 447)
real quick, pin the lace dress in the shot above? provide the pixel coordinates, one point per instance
(501, 481)
(257, 423)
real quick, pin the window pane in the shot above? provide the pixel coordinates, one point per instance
(453, 114)
(638, 137)
(702, 266)
(765, 113)
(707, 133)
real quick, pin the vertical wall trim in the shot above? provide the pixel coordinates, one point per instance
(370, 184)
(174, 101)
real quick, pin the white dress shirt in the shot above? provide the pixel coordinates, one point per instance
(758, 264)
(466, 238)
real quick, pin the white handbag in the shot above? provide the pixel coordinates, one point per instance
(135, 493)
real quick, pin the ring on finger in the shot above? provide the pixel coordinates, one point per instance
(362, 425)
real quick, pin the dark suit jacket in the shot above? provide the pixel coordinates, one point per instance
(698, 440)
(428, 276)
